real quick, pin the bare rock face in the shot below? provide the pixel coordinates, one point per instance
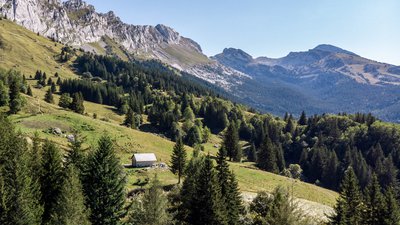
(76, 23)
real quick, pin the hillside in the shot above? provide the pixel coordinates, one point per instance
(40, 53)
(326, 79)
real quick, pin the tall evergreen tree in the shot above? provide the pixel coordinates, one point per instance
(303, 119)
(374, 202)
(70, 208)
(15, 96)
(178, 159)
(231, 143)
(18, 201)
(207, 208)
(65, 101)
(183, 207)
(230, 194)
(49, 97)
(53, 88)
(130, 119)
(104, 184)
(252, 153)
(349, 207)
(392, 210)
(51, 179)
(266, 157)
(75, 155)
(29, 91)
(77, 103)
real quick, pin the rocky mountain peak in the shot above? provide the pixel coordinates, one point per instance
(234, 55)
(333, 49)
(169, 34)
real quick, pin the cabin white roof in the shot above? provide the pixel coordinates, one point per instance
(144, 157)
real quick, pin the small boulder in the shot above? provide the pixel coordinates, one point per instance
(57, 131)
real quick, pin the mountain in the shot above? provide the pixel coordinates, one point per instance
(76, 23)
(325, 79)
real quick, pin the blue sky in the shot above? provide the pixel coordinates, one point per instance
(370, 28)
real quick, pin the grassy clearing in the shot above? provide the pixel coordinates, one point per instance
(27, 52)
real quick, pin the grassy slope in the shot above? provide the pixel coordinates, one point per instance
(31, 52)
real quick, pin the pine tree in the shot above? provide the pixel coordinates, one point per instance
(392, 210)
(303, 119)
(178, 159)
(15, 96)
(70, 208)
(49, 82)
(58, 81)
(51, 179)
(266, 157)
(53, 88)
(231, 143)
(65, 101)
(77, 103)
(152, 210)
(104, 184)
(129, 119)
(374, 202)
(29, 91)
(184, 203)
(349, 207)
(49, 97)
(19, 203)
(75, 155)
(252, 153)
(207, 208)
(230, 194)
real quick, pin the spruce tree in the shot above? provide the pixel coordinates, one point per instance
(104, 184)
(231, 143)
(70, 208)
(77, 103)
(303, 119)
(53, 88)
(185, 202)
(178, 159)
(65, 101)
(51, 179)
(252, 153)
(29, 91)
(49, 97)
(19, 203)
(374, 202)
(349, 207)
(266, 157)
(230, 194)
(75, 155)
(392, 210)
(207, 208)
(129, 119)
(15, 102)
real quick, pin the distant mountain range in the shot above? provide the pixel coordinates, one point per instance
(324, 79)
